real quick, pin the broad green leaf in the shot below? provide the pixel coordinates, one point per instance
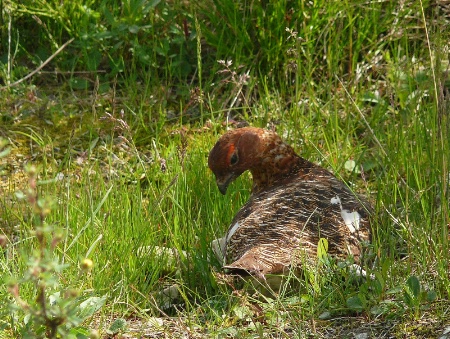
(355, 303)
(431, 296)
(80, 332)
(350, 165)
(117, 326)
(414, 286)
(5, 152)
(20, 195)
(322, 248)
(90, 306)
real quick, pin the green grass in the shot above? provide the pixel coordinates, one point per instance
(351, 81)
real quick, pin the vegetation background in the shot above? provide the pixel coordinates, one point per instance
(107, 209)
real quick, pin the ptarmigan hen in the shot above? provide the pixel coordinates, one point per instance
(293, 204)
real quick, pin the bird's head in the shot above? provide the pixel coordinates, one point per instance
(260, 151)
(234, 153)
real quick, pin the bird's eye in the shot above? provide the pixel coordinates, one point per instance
(234, 159)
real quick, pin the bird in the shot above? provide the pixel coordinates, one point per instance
(294, 204)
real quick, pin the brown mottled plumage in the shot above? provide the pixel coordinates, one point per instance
(293, 204)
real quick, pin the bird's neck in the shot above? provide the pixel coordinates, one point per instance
(275, 169)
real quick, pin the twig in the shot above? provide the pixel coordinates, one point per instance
(430, 52)
(39, 68)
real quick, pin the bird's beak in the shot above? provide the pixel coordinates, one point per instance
(223, 182)
(223, 188)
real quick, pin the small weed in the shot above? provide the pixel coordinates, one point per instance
(51, 309)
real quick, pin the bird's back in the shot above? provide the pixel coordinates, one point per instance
(282, 224)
